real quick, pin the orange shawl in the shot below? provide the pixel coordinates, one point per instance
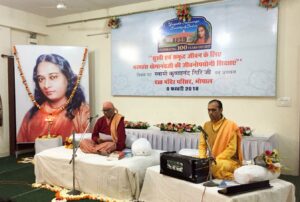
(114, 126)
(220, 143)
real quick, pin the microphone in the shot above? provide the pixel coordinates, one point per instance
(206, 140)
(204, 132)
(92, 117)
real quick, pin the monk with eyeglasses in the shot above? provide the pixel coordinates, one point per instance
(108, 134)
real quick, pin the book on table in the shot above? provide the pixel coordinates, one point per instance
(116, 155)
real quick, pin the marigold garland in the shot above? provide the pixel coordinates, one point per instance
(61, 108)
(62, 193)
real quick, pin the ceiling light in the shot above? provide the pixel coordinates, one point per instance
(61, 6)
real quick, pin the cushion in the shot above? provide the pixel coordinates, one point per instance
(141, 147)
(253, 173)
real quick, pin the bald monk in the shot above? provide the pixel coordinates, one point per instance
(224, 139)
(108, 134)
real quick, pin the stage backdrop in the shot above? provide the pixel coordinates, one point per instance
(28, 55)
(154, 54)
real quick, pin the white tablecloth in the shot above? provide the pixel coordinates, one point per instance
(256, 145)
(165, 140)
(42, 144)
(172, 141)
(158, 187)
(119, 179)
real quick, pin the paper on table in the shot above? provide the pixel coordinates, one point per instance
(105, 137)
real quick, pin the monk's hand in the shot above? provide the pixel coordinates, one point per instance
(212, 159)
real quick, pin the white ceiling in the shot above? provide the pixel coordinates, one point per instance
(47, 8)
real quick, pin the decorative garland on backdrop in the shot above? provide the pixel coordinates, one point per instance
(268, 3)
(24, 81)
(114, 22)
(183, 12)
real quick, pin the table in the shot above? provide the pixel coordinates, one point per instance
(256, 145)
(118, 179)
(165, 140)
(42, 144)
(172, 141)
(158, 187)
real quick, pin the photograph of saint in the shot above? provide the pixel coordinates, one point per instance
(62, 107)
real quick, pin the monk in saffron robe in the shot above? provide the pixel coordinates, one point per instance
(111, 124)
(224, 139)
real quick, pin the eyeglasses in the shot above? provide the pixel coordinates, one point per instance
(106, 110)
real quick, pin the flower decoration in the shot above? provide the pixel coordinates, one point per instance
(68, 143)
(183, 13)
(136, 125)
(49, 136)
(62, 194)
(113, 22)
(178, 127)
(268, 3)
(270, 160)
(245, 131)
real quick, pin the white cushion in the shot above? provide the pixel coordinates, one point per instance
(253, 173)
(141, 147)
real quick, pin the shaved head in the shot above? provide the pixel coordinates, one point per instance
(108, 109)
(108, 105)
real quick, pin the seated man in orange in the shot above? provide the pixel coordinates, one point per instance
(110, 125)
(224, 139)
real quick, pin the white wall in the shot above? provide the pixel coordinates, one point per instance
(262, 114)
(4, 130)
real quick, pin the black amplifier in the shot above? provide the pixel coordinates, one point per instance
(184, 167)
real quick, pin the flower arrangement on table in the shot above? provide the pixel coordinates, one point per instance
(183, 13)
(270, 160)
(136, 125)
(245, 131)
(114, 22)
(49, 136)
(268, 3)
(178, 127)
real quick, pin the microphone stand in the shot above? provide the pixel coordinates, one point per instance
(211, 160)
(75, 148)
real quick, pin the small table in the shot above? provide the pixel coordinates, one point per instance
(42, 144)
(158, 187)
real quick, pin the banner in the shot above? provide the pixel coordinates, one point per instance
(227, 48)
(52, 91)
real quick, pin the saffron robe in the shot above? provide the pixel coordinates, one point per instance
(116, 128)
(36, 126)
(224, 139)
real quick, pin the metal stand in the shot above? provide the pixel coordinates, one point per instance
(75, 148)
(211, 160)
(73, 191)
